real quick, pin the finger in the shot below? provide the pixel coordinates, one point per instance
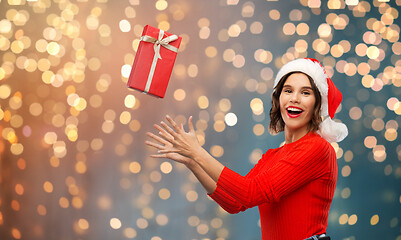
(169, 130)
(170, 140)
(168, 151)
(171, 121)
(152, 144)
(191, 125)
(158, 155)
(157, 138)
(163, 131)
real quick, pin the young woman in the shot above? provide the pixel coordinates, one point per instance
(292, 185)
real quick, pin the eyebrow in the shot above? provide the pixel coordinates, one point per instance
(304, 87)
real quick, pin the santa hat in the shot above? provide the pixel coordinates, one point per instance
(331, 97)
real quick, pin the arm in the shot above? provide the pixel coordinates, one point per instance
(223, 199)
(187, 144)
(217, 194)
(288, 174)
(208, 183)
(177, 142)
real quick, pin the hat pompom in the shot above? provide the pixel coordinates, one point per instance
(332, 131)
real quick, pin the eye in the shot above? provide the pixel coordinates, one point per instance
(287, 90)
(306, 93)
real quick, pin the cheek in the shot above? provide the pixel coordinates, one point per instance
(282, 107)
(311, 104)
(281, 100)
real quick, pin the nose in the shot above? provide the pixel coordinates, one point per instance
(294, 98)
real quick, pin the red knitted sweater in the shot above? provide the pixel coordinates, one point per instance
(292, 185)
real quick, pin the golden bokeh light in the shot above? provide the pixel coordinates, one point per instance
(374, 219)
(166, 167)
(257, 106)
(161, 5)
(217, 151)
(164, 194)
(346, 193)
(211, 52)
(258, 129)
(115, 223)
(179, 94)
(343, 219)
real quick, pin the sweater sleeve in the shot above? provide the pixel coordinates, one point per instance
(228, 203)
(293, 169)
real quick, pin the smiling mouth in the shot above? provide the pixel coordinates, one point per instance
(294, 112)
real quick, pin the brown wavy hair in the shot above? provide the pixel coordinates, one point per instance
(276, 121)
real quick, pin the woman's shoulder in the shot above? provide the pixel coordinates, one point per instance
(313, 141)
(310, 142)
(311, 147)
(315, 137)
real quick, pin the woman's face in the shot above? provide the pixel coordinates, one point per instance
(297, 102)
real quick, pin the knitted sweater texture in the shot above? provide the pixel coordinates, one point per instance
(292, 185)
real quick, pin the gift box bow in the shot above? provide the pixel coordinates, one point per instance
(157, 43)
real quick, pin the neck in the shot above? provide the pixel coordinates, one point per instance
(294, 135)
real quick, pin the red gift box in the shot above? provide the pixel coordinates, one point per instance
(154, 61)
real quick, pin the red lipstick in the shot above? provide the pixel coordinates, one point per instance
(294, 112)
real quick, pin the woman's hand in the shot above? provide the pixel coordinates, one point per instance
(184, 147)
(163, 145)
(183, 143)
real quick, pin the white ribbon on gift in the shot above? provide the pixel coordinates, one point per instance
(157, 43)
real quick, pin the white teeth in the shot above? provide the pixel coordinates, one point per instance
(294, 109)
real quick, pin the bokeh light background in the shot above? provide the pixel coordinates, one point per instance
(73, 160)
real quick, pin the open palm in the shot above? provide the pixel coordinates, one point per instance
(164, 145)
